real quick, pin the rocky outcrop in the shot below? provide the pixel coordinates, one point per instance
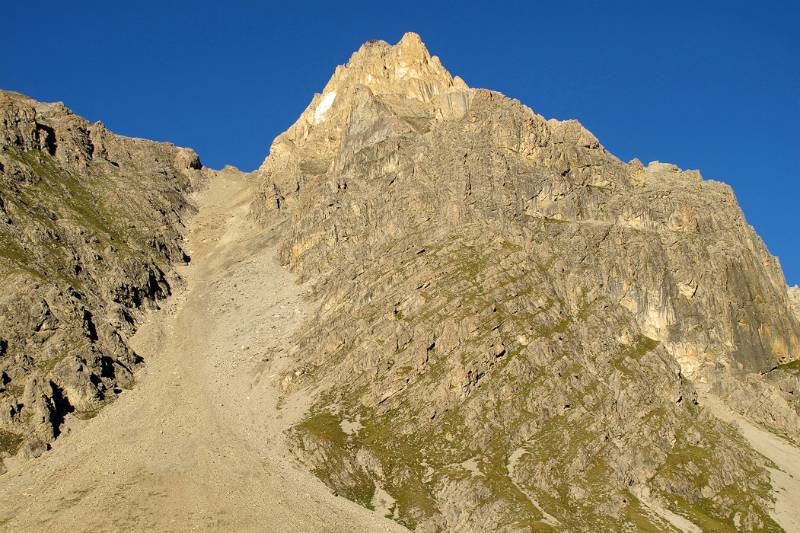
(508, 313)
(90, 225)
(794, 299)
(770, 398)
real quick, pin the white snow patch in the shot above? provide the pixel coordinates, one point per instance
(324, 105)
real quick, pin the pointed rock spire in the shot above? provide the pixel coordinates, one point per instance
(403, 76)
(406, 69)
(411, 46)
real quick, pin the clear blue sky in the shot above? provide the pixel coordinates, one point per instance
(714, 85)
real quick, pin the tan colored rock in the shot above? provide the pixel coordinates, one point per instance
(794, 299)
(568, 295)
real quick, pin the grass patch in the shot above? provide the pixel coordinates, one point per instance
(333, 462)
(326, 427)
(9, 442)
(792, 367)
(401, 457)
(699, 463)
(12, 251)
(642, 519)
(636, 351)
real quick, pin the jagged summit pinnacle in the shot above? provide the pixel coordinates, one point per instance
(411, 43)
(412, 39)
(404, 68)
(403, 77)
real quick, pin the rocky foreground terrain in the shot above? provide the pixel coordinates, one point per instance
(494, 324)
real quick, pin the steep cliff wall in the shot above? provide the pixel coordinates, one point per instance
(508, 313)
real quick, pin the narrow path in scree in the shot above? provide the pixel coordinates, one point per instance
(198, 444)
(784, 455)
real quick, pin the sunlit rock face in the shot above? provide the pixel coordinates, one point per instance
(509, 313)
(794, 299)
(691, 269)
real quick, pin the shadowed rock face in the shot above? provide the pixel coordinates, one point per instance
(90, 224)
(508, 313)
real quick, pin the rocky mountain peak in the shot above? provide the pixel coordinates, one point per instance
(491, 278)
(412, 43)
(402, 79)
(406, 69)
(502, 326)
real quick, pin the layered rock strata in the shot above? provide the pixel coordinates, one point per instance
(509, 316)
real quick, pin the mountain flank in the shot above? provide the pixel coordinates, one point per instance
(510, 319)
(430, 308)
(91, 225)
(198, 443)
